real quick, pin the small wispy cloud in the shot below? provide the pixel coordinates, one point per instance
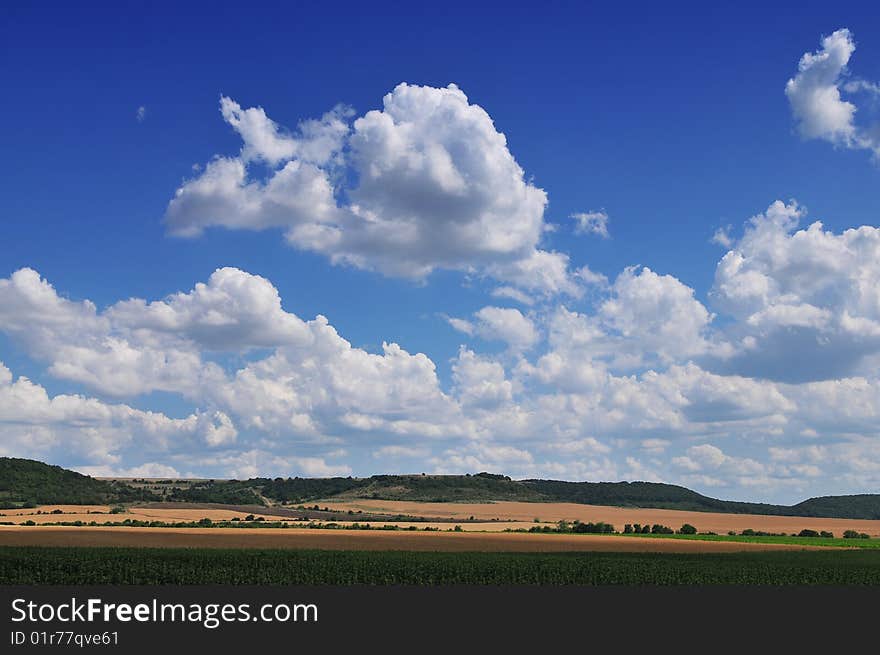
(594, 222)
(141, 114)
(722, 237)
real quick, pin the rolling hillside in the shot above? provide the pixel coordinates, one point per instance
(483, 487)
(27, 481)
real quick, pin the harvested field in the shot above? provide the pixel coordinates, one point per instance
(185, 512)
(617, 516)
(360, 540)
(101, 513)
(488, 517)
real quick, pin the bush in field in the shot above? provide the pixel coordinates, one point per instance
(592, 528)
(627, 529)
(808, 533)
(661, 529)
(687, 528)
(761, 533)
(827, 535)
(853, 534)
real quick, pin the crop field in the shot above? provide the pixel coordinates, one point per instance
(365, 540)
(618, 516)
(101, 513)
(185, 512)
(30, 565)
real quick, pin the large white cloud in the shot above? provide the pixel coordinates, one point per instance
(35, 424)
(434, 186)
(312, 381)
(137, 347)
(815, 96)
(806, 301)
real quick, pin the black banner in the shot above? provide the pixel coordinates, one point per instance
(170, 619)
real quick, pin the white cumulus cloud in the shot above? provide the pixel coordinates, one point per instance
(434, 186)
(820, 110)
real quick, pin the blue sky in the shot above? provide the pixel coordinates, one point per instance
(667, 125)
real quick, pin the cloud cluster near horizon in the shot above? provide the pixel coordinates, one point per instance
(644, 381)
(768, 387)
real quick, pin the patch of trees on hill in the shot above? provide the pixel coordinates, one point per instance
(447, 488)
(226, 492)
(25, 482)
(298, 490)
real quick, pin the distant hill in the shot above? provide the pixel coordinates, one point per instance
(646, 494)
(483, 487)
(669, 496)
(28, 481)
(861, 506)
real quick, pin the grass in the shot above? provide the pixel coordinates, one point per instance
(48, 565)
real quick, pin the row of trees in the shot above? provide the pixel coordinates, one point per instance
(601, 527)
(848, 534)
(638, 528)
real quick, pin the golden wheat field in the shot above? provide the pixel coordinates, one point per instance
(483, 528)
(101, 513)
(617, 516)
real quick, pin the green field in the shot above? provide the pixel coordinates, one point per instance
(41, 565)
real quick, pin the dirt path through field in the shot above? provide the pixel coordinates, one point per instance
(359, 540)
